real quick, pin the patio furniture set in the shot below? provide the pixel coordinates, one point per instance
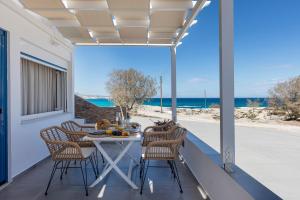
(76, 146)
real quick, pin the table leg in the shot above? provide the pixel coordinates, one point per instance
(113, 165)
(130, 156)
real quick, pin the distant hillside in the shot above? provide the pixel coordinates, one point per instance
(90, 96)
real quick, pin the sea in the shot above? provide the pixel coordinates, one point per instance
(187, 102)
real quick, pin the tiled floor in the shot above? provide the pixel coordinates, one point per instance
(31, 185)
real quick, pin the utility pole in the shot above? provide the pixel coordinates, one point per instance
(161, 103)
(205, 104)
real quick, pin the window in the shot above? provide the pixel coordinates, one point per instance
(44, 89)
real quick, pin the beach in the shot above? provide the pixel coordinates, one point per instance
(243, 116)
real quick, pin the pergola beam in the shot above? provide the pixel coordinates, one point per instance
(196, 9)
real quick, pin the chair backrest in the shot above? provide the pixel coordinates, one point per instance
(179, 132)
(170, 124)
(53, 136)
(179, 135)
(71, 126)
(165, 127)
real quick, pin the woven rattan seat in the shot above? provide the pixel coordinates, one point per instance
(63, 150)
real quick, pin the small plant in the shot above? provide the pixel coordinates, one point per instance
(285, 98)
(253, 103)
(252, 114)
(214, 105)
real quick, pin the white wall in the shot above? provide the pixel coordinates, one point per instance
(28, 34)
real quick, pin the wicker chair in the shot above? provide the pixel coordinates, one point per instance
(77, 132)
(167, 150)
(150, 135)
(75, 127)
(63, 151)
(164, 127)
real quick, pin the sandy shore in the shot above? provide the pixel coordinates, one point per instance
(249, 117)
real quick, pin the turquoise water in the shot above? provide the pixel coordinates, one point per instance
(101, 102)
(186, 102)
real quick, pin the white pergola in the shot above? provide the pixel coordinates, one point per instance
(148, 23)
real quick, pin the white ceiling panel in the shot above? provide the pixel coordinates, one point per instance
(62, 14)
(132, 33)
(103, 29)
(115, 21)
(43, 4)
(74, 32)
(82, 40)
(86, 4)
(171, 5)
(159, 41)
(167, 19)
(110, 41)
(130, 15)
(94, 18)
(161, 35)
(128, 5)
(113, 35)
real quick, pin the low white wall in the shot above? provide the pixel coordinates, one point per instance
(214, 180)
(29, 34)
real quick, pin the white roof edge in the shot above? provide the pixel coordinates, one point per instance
(200, 4)
(123, 44)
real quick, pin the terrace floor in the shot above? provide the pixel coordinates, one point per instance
(31, 184)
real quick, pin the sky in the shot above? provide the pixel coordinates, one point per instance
(266, 51)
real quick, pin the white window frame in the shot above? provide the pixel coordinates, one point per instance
(37, 116)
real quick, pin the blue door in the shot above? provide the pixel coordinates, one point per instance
(3, 106)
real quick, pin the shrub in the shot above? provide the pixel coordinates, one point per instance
(253, 103)
(130, 88)
(285, 98)
(214, 105)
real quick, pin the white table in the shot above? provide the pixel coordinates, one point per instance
(112, 164)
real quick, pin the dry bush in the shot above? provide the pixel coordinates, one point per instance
(214, 105)
(130, 88)
(252, 113)
(285, 98)
(253, 103)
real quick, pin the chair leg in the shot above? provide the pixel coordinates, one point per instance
(85, 169)
(141, 167)
(52, 175)
(172, 168)
(68, 165)
(97, 161)
(103, 160)
(177, 175)
(62, 170)
(144, 174)
(93, 166)
(84, 179)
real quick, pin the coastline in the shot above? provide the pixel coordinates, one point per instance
(192, 103)
(263, 118)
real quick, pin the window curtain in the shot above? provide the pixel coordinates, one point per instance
(43, 88)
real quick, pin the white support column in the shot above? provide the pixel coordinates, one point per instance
(173, 82)
(227, 84)
(70, 87)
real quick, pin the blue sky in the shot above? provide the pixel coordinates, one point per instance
(267, 51)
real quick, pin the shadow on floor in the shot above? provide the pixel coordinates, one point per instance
(160, 183)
